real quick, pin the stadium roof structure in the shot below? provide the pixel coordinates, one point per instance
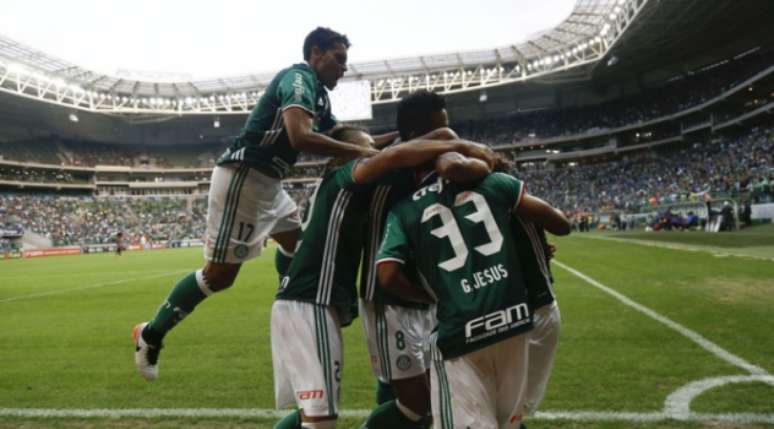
(585, 37)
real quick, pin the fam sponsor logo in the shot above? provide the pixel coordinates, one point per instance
(304, 395)
(496, 322)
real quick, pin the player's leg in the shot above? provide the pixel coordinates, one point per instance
(367, 311)
(307, 359)
(463, 390)
(511, 360)
(402, 357)
(409, 410)
(544, 338)
(232, 237)
(286, 230)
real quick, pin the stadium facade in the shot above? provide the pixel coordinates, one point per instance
(617, 80)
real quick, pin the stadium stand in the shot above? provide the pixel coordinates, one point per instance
(89, 185)
(723, 167)
(88, 220)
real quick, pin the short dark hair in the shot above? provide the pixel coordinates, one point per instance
(344, 132)
(414, 113)
(323, 38)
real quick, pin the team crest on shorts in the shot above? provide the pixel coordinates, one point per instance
(240, 251)
(403, 362)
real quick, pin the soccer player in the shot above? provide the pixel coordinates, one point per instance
(460, 239)
(397, 330)
(534, 256)
(119, 243)
(246, 200)
(318, 296)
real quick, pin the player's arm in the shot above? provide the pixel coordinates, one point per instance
(455, 167)
(416, 153)
(299, 125)
(382, 140)
(391, 278)
(390, 260)
(533, 209)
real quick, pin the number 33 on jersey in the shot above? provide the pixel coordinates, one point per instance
(460, 239)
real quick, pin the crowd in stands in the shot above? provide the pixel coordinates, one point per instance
(88, 220)
(720, 166)
(742, 166)
(738, 167)
(675, 96)
(77, 153)
(19, 174)
(681, 93)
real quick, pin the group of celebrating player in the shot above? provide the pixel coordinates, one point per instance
(455, 288)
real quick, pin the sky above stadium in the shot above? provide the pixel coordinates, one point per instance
(204, 39)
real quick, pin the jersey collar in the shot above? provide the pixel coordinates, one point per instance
(306, 65)
(429, 178)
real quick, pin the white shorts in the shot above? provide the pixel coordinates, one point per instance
(245, 207)
(398, 339)
(307, 356)
(543, 339)
(484, 389)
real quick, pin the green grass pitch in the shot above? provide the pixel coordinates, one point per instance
(65, 342)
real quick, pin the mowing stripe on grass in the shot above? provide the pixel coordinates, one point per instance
(270, 413)
(98, 285)
(676, 246)
(692, 335)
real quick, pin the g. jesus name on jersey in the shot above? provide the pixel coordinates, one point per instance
(460, 238)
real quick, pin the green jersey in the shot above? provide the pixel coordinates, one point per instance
(324, 269)
(460, 239)
(531, 245)
(263, 142)
(391, 190)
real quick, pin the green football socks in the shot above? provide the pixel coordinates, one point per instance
(384, 392)
(185, 296)
(389, 416)
(291, 421)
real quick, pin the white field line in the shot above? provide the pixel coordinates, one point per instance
(678, 403)
(675, 246)
(95, 286)
(27, 276)
(270, 413)
(691, 335)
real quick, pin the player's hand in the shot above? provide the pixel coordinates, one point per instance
(502, 164)
(480, 151)
(550, 250)
(368, 151)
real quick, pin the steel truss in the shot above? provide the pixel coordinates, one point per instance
(584, 38)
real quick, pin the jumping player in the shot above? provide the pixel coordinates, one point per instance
(246, 200)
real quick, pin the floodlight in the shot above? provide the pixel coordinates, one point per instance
(483, 97)
(73, 117)
(216, 123)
